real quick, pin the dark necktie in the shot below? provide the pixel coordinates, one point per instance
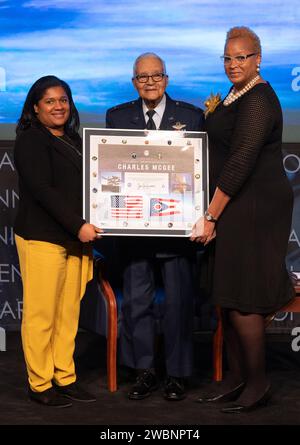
(150, 124)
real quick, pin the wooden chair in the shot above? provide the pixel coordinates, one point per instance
(112, 328)
(294, 306)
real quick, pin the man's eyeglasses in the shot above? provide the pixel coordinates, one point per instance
(143, 78)
(239, 59)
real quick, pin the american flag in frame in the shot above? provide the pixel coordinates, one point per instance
(125, 207)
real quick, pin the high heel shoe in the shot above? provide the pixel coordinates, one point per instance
(228, 396)
(247, 408)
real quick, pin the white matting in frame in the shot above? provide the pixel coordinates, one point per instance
(145, 183)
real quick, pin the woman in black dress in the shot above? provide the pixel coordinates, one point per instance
(250, 215)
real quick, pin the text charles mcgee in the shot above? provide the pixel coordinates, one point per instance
(124, 166)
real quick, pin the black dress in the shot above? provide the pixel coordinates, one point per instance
(253, 231)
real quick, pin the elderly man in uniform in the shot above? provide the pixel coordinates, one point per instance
(155, 110)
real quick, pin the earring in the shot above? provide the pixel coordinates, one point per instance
(258, 68)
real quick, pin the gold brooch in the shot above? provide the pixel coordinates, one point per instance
(211, 103)
(178, 126)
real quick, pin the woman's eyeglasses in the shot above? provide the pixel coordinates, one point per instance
(239, 59)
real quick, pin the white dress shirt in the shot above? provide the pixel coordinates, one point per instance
(159, 111)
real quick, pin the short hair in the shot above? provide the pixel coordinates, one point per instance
(144, 56)
(28, 116)
(242, 32)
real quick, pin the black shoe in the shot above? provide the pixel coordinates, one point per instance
(247, 408)
(228, 396)
(174, 389)
(49, 398)
(145, 384)
(74, 392)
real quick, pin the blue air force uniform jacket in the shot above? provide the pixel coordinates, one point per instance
(130, 115)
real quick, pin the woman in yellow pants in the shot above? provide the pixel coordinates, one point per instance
(52, 240)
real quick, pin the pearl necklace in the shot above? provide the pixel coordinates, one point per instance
(235, 94)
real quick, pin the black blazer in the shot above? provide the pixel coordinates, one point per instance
(130, 115)
(50, 187)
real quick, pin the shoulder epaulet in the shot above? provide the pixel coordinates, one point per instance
(182, 104)
(123, 106)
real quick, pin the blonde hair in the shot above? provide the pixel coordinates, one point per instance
(242, 32)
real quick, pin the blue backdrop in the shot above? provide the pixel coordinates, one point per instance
(92, 45)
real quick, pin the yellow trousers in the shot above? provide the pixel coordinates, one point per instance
(54, 279)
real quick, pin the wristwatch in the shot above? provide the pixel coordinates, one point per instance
(209, 217)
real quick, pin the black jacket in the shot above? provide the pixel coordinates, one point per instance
(50, 187)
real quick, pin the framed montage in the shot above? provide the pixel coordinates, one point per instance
(145, 182)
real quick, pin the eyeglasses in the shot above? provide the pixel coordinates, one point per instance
(143, 78)
(239, 59)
